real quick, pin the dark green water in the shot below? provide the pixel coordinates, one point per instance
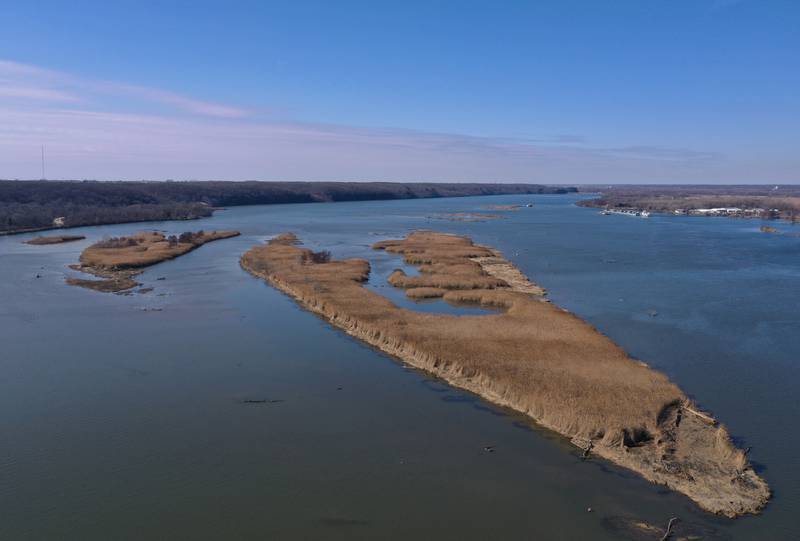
(119, 422)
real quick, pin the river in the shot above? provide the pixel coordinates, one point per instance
(127, 417)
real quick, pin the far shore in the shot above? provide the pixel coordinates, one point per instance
(38, 205)
(767, 203)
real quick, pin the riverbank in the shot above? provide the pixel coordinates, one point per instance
(765, 202)
(118, 260)
(533, 357)
(27, 206)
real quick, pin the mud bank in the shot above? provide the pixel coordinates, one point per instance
(533, 357)
(118, 260)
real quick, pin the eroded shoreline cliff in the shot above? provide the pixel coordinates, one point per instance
(533, 357)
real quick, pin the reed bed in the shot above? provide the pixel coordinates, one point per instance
(117, 260)
(533, 357)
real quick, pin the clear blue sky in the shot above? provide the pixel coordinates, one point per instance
(547, 91)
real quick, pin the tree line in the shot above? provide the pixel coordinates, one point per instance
(38, 204)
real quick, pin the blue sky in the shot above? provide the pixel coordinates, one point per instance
(548, 91)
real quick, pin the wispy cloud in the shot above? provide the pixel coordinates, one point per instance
(34, 93)
(182, 137)
(35, 83)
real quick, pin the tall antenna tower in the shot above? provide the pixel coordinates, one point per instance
(43, 162)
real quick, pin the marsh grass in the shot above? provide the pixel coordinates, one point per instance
(117, 260)
(533, 357)
(145, 249)
(54, 239)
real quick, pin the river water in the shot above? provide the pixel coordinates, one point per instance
(125, 417)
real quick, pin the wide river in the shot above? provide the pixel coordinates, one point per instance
(125, 417)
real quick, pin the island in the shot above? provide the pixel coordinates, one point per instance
(54, 239)
(528, 355)
(118, 259)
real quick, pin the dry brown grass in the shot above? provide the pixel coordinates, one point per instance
(118, 260)
(145, 249)
(425, 292)
(534, 357)
(442, 281)
(54, 239)
(110, 285)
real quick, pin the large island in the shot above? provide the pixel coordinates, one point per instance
(530, 356)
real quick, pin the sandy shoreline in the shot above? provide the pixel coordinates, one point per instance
(534, 358)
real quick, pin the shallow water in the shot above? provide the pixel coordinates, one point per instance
(119, 421)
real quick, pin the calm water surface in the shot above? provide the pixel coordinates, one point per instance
(122, 417)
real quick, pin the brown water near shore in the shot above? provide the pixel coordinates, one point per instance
(534, 358)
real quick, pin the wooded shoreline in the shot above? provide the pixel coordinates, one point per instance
(27, 206)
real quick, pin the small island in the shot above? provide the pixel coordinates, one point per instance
(118, 259)
(530, 356)
(54, 239)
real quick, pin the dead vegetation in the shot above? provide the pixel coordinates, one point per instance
(54, 239)
(109, 285)
(118, 259)
(533, 357)
(425, 292)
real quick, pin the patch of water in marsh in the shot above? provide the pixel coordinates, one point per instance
(383, 264)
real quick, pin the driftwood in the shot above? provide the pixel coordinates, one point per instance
(703, 416)
(672, 521)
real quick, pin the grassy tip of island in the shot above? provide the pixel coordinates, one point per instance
(117, 260)
(532, 356)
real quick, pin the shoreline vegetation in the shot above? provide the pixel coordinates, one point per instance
(54, 239)
(532, 356)
(752, 202)
(116, 261)
(38, 205)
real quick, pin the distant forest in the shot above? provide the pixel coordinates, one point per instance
(35, 205)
